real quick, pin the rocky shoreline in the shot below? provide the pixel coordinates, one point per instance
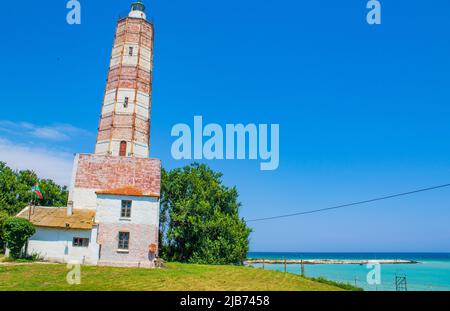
(329, 261)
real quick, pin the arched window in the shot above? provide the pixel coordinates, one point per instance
(123, 149)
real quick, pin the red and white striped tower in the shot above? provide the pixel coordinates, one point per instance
(124, 128)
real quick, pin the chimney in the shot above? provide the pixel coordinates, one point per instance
(70, 208)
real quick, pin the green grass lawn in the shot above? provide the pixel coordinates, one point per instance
(183, 277)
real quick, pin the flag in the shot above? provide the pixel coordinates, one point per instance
(37, 191)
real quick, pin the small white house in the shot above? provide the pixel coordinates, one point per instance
(63, 238)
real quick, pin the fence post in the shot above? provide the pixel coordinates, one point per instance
(302, 268)
(284, 264)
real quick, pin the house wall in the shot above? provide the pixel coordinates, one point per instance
(142, 226)
(55, 244)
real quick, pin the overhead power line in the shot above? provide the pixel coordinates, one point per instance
(352, 204)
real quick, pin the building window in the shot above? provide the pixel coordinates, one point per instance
(130, 51)
(123, 149)
(80, 242)
(125, 211)
(125, 103)
(124, 239)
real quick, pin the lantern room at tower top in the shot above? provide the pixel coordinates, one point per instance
(137, 10)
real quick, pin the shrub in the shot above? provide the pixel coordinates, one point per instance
(16, 231)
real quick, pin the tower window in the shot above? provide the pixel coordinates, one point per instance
(130, 51)
(125, 103)
(123, 149)
(124, 240)
(125, 211)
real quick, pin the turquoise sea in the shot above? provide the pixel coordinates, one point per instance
(431, 273)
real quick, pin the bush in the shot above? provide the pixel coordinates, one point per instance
(16, 231)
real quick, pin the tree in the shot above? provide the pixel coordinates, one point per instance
(16, 231)
(199, 219)
(15, 190)
(53, 194)
(9, 200)
(3, 216)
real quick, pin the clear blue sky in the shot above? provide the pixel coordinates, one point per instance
(363, 110)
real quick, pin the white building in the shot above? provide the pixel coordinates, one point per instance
(60, 238)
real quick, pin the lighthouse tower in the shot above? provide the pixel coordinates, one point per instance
(119, 181)
(124, 128)
(112, 214)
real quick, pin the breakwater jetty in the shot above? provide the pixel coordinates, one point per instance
(329, 261)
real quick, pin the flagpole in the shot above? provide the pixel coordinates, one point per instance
(29, 210)
(33, 203)
(30, 205)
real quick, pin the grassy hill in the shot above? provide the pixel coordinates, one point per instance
(176, 276)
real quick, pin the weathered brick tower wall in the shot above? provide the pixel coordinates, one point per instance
(124, 127)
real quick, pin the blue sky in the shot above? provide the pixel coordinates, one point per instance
(363, 110)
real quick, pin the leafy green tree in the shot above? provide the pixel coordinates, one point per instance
(53, 194)
(15, 190)
(16, 231)
(8, 189)
(3, 216)
(200, 218)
